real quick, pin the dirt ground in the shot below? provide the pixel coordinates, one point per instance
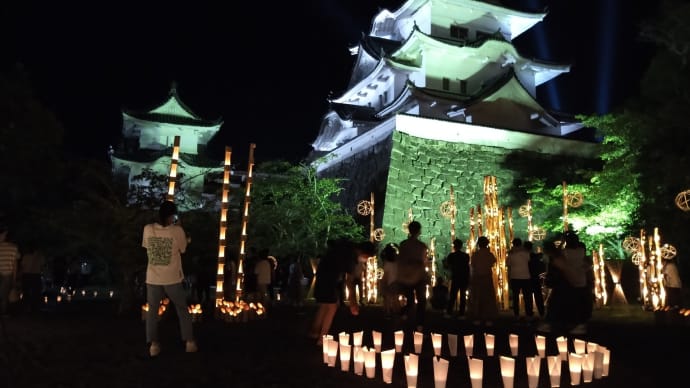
(93, 347)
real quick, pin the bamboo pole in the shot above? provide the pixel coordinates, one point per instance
(172, 176)
(245, 217)
(222, 234)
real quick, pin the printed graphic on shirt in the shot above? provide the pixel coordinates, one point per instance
(160, 250)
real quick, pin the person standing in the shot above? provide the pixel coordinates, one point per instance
(582, 281)
(412, 275)
(9, 257)
(389, 254)
(537, 270)
(263, 270)
(482, 306)
(165, 242)
(336, 267)
(517, 262)
(458, 263)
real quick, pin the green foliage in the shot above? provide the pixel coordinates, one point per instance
(295, 212)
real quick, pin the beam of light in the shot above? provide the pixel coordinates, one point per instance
(543, 52)
(608, 24)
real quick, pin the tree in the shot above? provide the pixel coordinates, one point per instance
(644, 152)
(294, 212)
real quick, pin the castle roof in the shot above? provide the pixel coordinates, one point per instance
(173, 111)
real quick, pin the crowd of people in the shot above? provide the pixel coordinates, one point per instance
(554, 287)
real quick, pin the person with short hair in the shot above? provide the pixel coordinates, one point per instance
(412, 275)
(458, 263)
(165, 242)
(517, 262)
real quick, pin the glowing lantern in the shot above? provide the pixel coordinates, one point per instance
(507, 371)
(683, 200)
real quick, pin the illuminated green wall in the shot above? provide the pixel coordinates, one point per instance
(422, 171)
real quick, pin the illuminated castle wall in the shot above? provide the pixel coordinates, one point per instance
(148, 138)
(440, 96)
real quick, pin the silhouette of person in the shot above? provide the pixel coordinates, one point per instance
(412, 275)
(458, 263)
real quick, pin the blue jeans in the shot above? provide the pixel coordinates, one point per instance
(178, 297)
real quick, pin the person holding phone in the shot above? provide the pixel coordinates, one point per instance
(165, 242)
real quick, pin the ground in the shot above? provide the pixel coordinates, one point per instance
(94, 347)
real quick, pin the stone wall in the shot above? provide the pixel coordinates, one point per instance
(422, 171)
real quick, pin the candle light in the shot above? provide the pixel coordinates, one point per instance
(387, 361)
(440, 372)
(453, 344)
(345, 351)
(591, 347)
(575, 365)
(554, 364)
(411, 369)
(489, 340)
(513, 342)
(436, 340)
(587, 367)
(332, 352)
(541, 345)
(606, 361)
(399, 339)
(370, 362)
(476, 367)
(507, 371)
(533, 366)
(580, 346)
(358, 355)
(376, 335)
(598, 363)
(324, 344)
(357, 338)
(344, 338)
(562, 343)
(418, 339)
(469, 344)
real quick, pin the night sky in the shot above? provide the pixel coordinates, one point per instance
(267, 68)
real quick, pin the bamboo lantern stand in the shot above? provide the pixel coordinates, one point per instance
(565, 207)
(650, 263)
(599, 268)
(172, 176)
(495, 230)
(372, 273)
(220, 273)
(245, 217)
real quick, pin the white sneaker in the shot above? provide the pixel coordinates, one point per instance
(190, 347)
(154, 349)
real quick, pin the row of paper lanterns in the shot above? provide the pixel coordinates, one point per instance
(589, 360)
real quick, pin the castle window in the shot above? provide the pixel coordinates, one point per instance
(458, 32)
(446, 83)
(482, 35)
